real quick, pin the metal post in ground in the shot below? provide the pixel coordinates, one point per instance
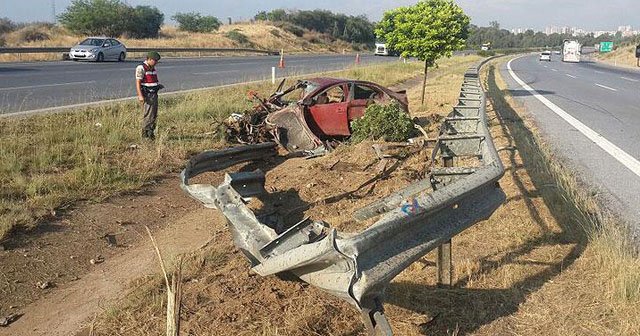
(444, 264)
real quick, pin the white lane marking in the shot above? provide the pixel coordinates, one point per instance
(546, 66)
(215, 72)
(606, 87)
(623, 157)
(630, 79)
(568, 75)
(596, 71)
(556, 70)
(44, 85)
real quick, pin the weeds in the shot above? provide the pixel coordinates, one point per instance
(54, 160)
(383, 122)
(240, 38)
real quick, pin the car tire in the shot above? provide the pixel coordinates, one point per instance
(122, 57)
(100, 57)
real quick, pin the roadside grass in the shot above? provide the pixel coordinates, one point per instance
(596, 288)
(52, 161)
(259, 35)
(545, 263)
(624, 56)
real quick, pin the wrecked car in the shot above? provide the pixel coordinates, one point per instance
(312, 115)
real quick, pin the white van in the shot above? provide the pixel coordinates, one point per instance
(381, 50)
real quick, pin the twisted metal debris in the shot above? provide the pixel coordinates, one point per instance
(461, 190)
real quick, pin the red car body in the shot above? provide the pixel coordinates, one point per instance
(315, 118)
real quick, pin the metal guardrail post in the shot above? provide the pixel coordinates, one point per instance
(444, 264)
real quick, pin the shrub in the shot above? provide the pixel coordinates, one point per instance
(237, 36)
(340, 26)
(111, 18)
(312, 37)
(33, 34)
(96, 17)
(6, 26)
(486, 53)
(275, 32)
(388, 122)
(196, 23)
(291, 28)
(2, 41)
(144, 22)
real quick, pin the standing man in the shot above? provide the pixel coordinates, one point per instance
(147, 86)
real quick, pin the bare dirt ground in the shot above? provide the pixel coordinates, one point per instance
(59, 254)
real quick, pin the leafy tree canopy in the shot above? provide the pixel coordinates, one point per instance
(197, 23)
(429, 30)
(111, 18)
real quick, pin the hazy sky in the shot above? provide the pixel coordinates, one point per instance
(589, 14)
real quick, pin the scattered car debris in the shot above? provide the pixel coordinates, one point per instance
(111, 239)
(43, 284)
(312, 116)
(6, 321)
(97, 260)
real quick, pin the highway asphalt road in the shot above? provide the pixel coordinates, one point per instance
(32, 86)
(590, 115)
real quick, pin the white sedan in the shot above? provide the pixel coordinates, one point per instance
(99, 49)
(545, 56)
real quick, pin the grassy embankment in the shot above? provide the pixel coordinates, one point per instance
(624, 56)
(597, 287)
(539, 265)
(257, 35)
(52, 161)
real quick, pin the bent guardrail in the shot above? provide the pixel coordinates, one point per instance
(462, 189)
(38, 50)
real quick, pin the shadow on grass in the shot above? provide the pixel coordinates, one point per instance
(468, 309)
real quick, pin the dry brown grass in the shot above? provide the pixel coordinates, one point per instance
(51, 161)
(535, 267)
(260, 34)
(596, 290)
(624, 56)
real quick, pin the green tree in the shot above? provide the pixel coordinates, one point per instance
(194, 22)
(261, 16)
(428, 30)
(277, 15)
(96, 17)
(144, 22)
(6, 26)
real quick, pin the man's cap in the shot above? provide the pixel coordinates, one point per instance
(153, 55)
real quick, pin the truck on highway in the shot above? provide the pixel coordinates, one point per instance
(571, 51)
